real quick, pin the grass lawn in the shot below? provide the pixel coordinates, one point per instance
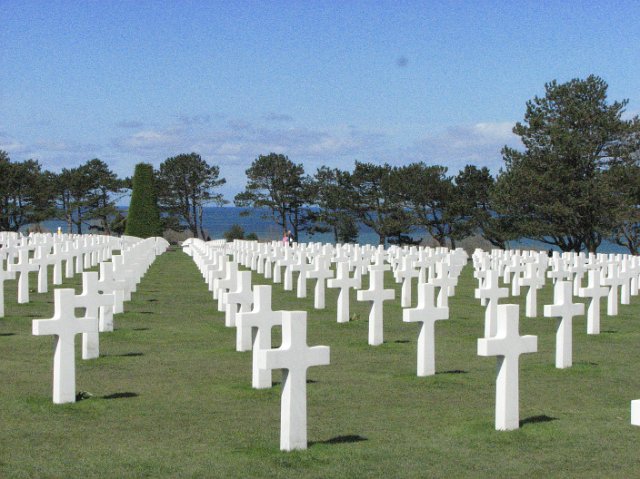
(172, 398)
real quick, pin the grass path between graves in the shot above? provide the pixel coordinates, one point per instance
(172, 398)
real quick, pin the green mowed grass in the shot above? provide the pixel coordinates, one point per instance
(172, 398)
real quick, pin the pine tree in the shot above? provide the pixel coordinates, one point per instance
(143, 219)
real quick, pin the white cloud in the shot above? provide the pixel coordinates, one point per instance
(149, 140)
(479, 144)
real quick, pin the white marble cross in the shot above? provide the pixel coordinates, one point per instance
(508, 345)
(109, 284)
(226, 283)
(405, 273)
(534, 281)
(377, 295)
(613, 280)
(595, 292)
(4, 275)
(565, 309)
(516, 268)
(426, 313)
(97, 305)
(64, 325)
(43, 260)
(303, 268)
(287, 262)
(239, 299)
(258, 323)
(446, 282)
(321, 271)
(344, 282)
(294, 357)
(492, 293)
(24, 267)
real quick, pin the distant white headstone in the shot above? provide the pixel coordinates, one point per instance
(594, 291)
(565, 309)
(492, 293)
(376, 294)
(258, 323)
(344, 282)
(426, 313)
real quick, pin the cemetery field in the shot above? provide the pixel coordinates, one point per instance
(170, 397)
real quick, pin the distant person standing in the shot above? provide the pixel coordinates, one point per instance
(290, 238)
(285, 238)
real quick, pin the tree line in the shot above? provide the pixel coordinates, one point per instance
(575, 183)
(86, 197)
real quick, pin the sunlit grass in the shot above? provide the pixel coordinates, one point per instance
(172, 398)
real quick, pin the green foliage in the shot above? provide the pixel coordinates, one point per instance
(375, 200)
(24, 193)
(186, 183)
(143, 218)
(234, 232)
(86, 194)
(624, 180)
(276, 183)
(431, 198)
(556, 190)
(330, 194)
(106, 189)
(251, 237)
(473, 201)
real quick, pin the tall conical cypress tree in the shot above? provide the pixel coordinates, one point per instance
(143, 219)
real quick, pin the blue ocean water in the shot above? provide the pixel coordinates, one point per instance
(217, 220)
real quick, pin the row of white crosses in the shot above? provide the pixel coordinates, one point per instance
(528, 269)
(22, 255)
(437, 266)
(253, 332)
(101, 297)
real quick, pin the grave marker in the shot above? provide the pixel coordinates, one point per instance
(377, 295)
(507, 345)
(294, 357)
(564, 309)
(344, 282)
(64, 325)
(426, 313)
(595, 292)
(258, 323)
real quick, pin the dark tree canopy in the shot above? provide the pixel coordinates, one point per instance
(376, 202)
(24, 193)
(556, 190)
(276, 183)
(186, 183)
(143, 218)
(330, 196)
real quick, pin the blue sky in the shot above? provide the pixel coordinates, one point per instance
(324, 82)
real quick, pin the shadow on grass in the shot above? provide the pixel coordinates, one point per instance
(121, 395)
(453, 371)
(350, 438)
(144, 312)
(585, 363)
(125, 355)
(402, 341)
(7, 334)
(140, 329)
(536, 419)
(152, 300)
(309, 381)
(609, 331)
